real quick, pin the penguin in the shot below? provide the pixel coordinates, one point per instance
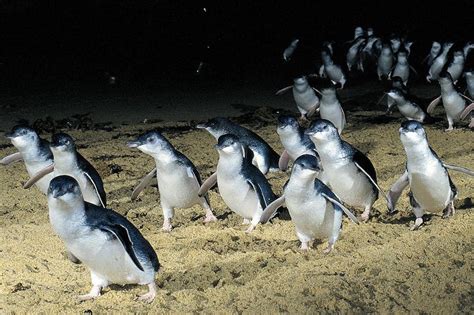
(385, 61)
(330, 107)
(397, 83)
(288, 52)
(454, 102)
(469, 76)
(111, 247)
(314, 208)
(402, 67)
(431, 187)
(67, 161)
(244, 189)
(350, 174)
(455, 66)
(178, 178)
(409, 109)
(33, 150)
(353, 54)
(265, 158)
(439, 63)
(395, 43)
(331, 70)
(358, 32)
(305, 97)
(293, 139)
(434, 52)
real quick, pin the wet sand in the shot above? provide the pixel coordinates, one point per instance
(380, 266)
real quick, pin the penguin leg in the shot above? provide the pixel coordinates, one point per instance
(471, 124)
(98, 283)
(417, 211)
(336, 228)
(450, 124)
(246, 221)
(449, 211)
(210, 217)
(253, 224)
(366, 214)
(304, 241)
(150, 296)
(167, 216)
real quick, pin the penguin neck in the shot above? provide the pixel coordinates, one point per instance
(329, 149)
(65, 160)
(290, 138)
(417, 152)
(447, 87)
(298, 182)
(31, 152)
(329, 97)
(301, 86)
(230, 164)
(66, 216)
(164, 157)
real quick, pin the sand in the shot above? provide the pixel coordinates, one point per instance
(380, 266)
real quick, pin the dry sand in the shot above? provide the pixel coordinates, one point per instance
(379, 266)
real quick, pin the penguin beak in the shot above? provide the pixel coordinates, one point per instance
(134, 144)
(9, 135)
(310, 132)
(201, 126)
(58, 192)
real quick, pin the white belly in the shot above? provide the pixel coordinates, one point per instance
(305, 100)
(238, 196)
(87, 188)
(177, 188)
(34, 167)
(411, 112)
(313, 217)
(401, 71)
(334, 73)
(453, 105)
(385, 65)
(350, 185)
(430, 190)
(333, 113)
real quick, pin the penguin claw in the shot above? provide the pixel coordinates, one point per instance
(328, 249)
(210, 218)
(418, 223)
(149, 296)
(87, 297)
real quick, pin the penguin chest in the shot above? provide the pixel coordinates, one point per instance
(313, 216)
(411, 111)
(178, 187)
(106, 257)
(430, 187)
(296, 149)
(402, 71)
(238, 195)
(385, 64)
(332, 111)
(349, 184)
(453, 104)
(305, 99)
(456, 70)
(33, 167)
(334, 73)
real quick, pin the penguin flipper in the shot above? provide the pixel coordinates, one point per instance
(467, 98)
(283, 161)
(45, 171)
(192, 172)
(396, 191)
(337, 204)
(208, 184)
(121, 233)
(286, 88)
(15, 157)
(143, 183)
(372, 181)
(270, 211)
(433, 104)
(459, 169)
(101, 199)
(467, 110)
(263, 193)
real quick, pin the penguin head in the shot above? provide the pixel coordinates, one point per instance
(412, 131)
(150, 142)
(229, 144)
(64, 188)
(402, 54)
(62, 142)
(300, 80)
(435, 47)
(397, 82)
(322, 130)
(22, 136)
(458, 55)
(396, 93)
(287, 124)
(215, 126)
(306, 166)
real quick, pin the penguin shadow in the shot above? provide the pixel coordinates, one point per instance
(465, 204)
(400, 218)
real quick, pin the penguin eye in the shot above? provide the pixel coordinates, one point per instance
(67, 142)
(23, 132)
(325, 127)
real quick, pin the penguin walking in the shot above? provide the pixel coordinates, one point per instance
(313, 207)
(111, 247)
(407, 107)
(244, 189)
(330, 69)
(330, 107)
(385, 61)
(439, 63)
(349, 173)
(264, 157)
(67, 161)
(33, 150)
(305, 97)
(431, 187)
(178, 178)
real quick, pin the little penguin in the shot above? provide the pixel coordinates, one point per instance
(294, 140)
(431, 188)
(402, 67)
(385, 61)
(288, 52)
(434, 52)
(244, 189)
(178, 178)
(439, 63)
(330, 107)
(331, 70)
(111, 247)
(454, 102)
(408, 108)
(349, 173)
(67, 161)
(304, 95)
(264, 157)
(314, 208)
(33, 150)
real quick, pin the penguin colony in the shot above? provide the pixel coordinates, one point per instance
(329, 178)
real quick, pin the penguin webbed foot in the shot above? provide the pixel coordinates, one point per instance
(150, 295)
(167, 227)
(418, 223)
(210, 217)
(328, 249)
(304, 247)
(94, 293)
(449, 211)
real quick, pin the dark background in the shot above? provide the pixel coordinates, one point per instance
(148, 40)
